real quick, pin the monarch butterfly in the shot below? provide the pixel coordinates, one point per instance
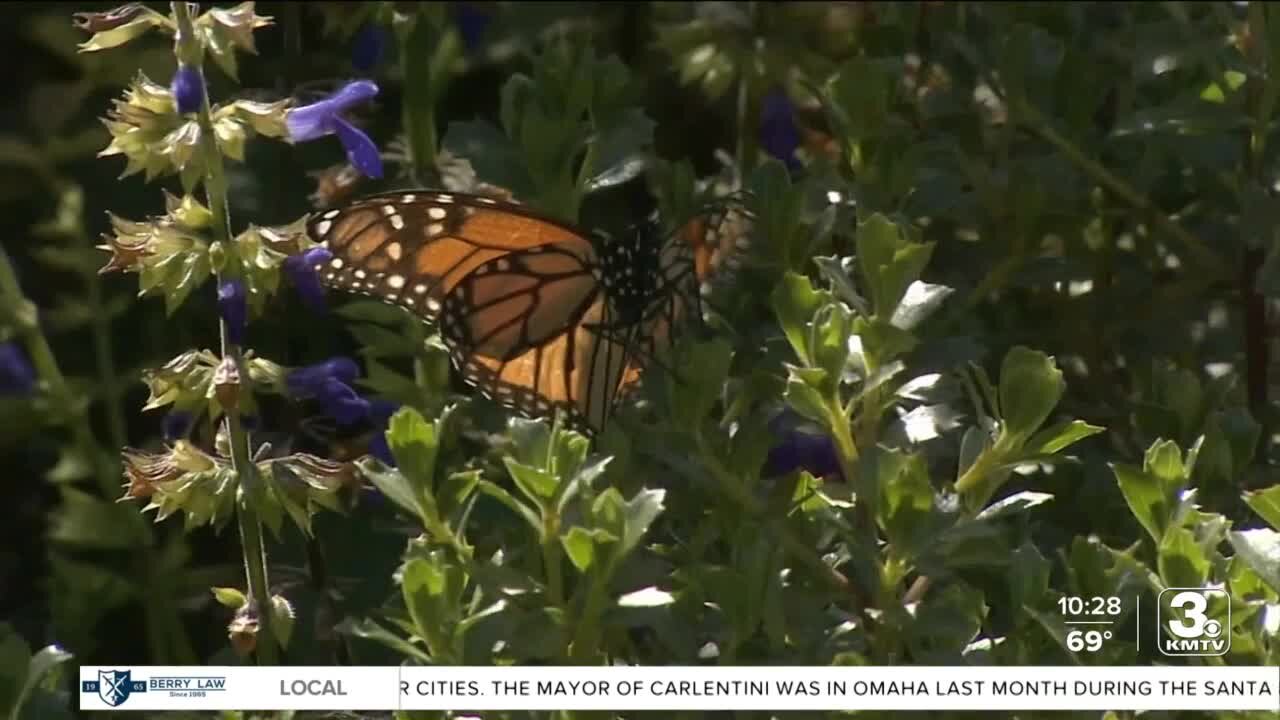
(539, 315)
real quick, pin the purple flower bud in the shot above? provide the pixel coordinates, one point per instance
(233, 308)
(16, 375)
(799, 450)
(779, 135)
(302, 270)
(322, 118)
(367, 47)
(188, 89)
(309, 381)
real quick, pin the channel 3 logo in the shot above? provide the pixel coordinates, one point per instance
(1189, 623)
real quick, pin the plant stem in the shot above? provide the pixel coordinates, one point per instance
(586, 636)
(252, 545)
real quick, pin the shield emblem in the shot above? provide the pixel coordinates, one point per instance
(114, 686)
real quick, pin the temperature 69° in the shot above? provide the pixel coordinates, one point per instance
(1086, 640)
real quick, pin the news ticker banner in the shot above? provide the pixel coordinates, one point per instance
(679, 688)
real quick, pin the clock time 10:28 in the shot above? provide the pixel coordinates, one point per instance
(1073, 606)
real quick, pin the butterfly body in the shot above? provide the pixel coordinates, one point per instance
(538, 314)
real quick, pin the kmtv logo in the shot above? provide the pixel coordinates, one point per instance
(1186, 623)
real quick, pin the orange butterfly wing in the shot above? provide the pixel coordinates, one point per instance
(411, 248)
(535, 332)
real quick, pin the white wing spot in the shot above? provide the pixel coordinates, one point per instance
(397, 222)
(435, 229)
(388, 210)
(410, 197)
(336, 264)
(331, 214)
(504, 265)
(396, 281)
(444, 198)
(392, 297)
(433, 305)
(437, 213)
(323, 226)
(395, 250)
(360, 274)
(420, 289)
(486, 200)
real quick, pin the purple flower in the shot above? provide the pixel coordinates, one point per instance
(321, 118)
(779, 135)
(471, 24)
(308, 381)
(367, 47)
(302, 270)
(188, 89)
(176, 425)
(233, 308)
(16, 375)
(342, 403)
(798, 449)
(329, 384)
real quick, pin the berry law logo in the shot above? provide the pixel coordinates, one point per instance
(1186, 625)
(114, 686)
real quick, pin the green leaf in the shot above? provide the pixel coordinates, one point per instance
(583, 478)
(415, 442)
(1261, 550)
(619, 150)
(906, 500)
(889, 262)
(424, 585)
(495, 158)
(860, 94)
(456, 489)
(945, 623)
(639, 513)
(579, 544)
(391, 483)
(920, 302)
(538, 485)
(229, 597)
(1182, 562)
(703, 377)
(1028, 576)
(1163, 460)
(806, 400)
(1030, 387)
(1267, 504)
(1012, 505)
(1146, 498)
(89, 522)
(15, 657)
(838, 272)
(831, 330)
(1058, 437)
(795, 303)
(43, 673)
(370, 630)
